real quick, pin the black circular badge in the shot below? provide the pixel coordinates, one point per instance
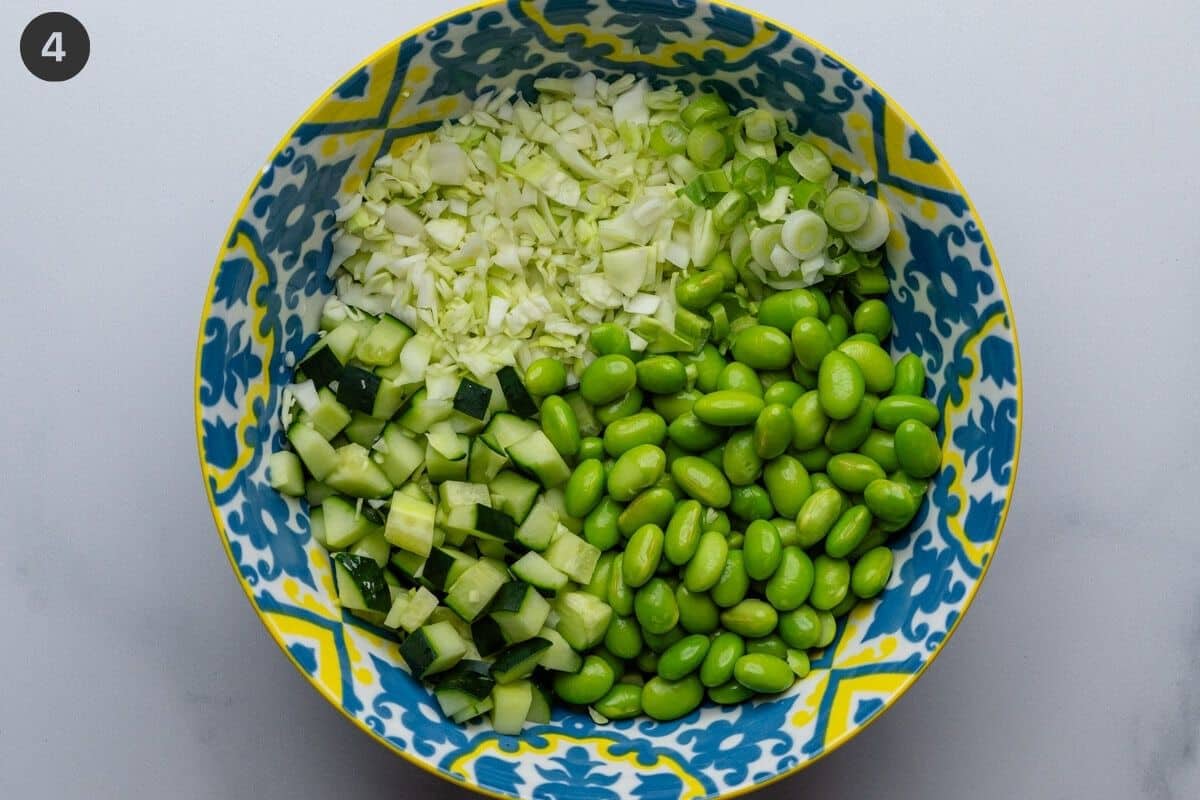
(55, 46)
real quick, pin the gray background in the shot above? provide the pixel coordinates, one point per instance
(131, 665)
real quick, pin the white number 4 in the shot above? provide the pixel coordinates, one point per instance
(53, 48)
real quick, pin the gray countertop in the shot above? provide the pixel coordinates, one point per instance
(132, 666)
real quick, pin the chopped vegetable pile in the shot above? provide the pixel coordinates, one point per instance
(601, 410)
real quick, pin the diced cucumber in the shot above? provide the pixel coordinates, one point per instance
(411, 609)
(374, 546)
(510, 707)
(391, 397)
(472, 399)
(471, 712)
(314, 450)
(381, 346)
(488, 637)
(315, 492)
(494, 524)
(423, 412)
(520, 402)
(457, 503)
(588, 424)
(506, 430)
(410, 524)
(485, 463)
(465, 424)
(364, 429)
(329, 416)
(321, 365)
(449, 444)
(439, 468)
(558, 502)
(513, 494)
(465, 685)
(417, 490)
(476, 587)
(535, 455)
(539, 526)
(286, 473)
(357, 475)
(559, 656)
(432, 648)
(573, 556)
(357, 388)
(360, 582)
(400, 456)
(582, 619)
(491, 548)
(408, 565)
(343, 524)
(518, 661)
(520, 611)
(444, 566)
(535, 569)
(539, 709)
(342, 340)
(316, 524)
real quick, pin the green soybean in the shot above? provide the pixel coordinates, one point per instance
(853, 471)
(697, 612)
(811, 342)
(740, 461)
(584, 488)
(600, 525)
(724, 651)
(623, 701)
(875, 537)
(872, 316)
(817, 516)
(560, 425)
(644, 427)
(655, 607)
(591, 447)
(840, 385)
(666, 700)
(751, 503)
(700, 480)
(620, 593)
(738, 377)
(792, 582)
(891, 501)
(762, 347)
(820, 481)
(642, 554)
(871, 573)
(620, 408)
(839, 328)
(623, 638)
(732, 585)
(659, 642)
(661, 374)
(916, 486)
(715, 520)
(671, 406)
(880, 446)
(862, 337)
(609, 339)
(651, 507)
(816, 459)
(849, 602)
(736, 539)
(668, 483)
(831, 582)
(910, 376)
(682, 536)
(729, 408)
(763, 673)
(692, 434)
(896, 408)
(729, 694)
(608, 378)
(763, 550)
(787, 530)
(783, 309)
(715, 456)
(773, 431)
(841, 306)
(546, 376)
(772, 645)
(917, 449)
(784, 391)
(752, 618)
(828, 628)
(879, 372)
(598, 585)
(788, 484)
(699, 290)
(800, 628)
(589, 684)
(704, 570)
(647, 661)
(809, 422)
(848, 434)
(807, 378)
(848, 532)
(709, 364)
(683, 658)
(799, 662)
(636, 469)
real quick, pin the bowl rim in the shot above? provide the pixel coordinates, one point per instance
(1009, 491)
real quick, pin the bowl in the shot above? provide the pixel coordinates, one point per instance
(947, 297)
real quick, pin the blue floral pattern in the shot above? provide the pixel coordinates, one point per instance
(947, 299)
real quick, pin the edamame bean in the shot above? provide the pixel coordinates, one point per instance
(682, 536)
(715, 520)
(736, 539)
(610, 339)
(690, 433)
(738, 377)
(783, 391)
(659, 642)
(752, 618)
(651, 507)
(763, 550)
(845, 435)
(722, 264)
(816, 459)
(546, 376)
(620, 408)
(593, 680)
(762, 347)
(807, 378)
(608, 378)
(730, 408)
(642, 555)
(880, 446)
(915, 486)
(839, 328)
(809, 422)
(666, 700)
(863, 337)
(730, 694)
(591, 447)
(623, 638)
(910, 376)
(709, 364)
(699, 290)
(894, 409)
(917, 449)
(874, 538)
(772, 645)
(841, 306)
(840, 385)
(773, 431)
(623, 701)
(715, 456)
(635, 470)
(647, 661)
(704, 570)
(740, 462)
(787, 530)
(584, 488)
(671, 406)
(724, 651)
(600, 526)
(668, 483)
(620, 593)
(800, 628)
(560, 425)
(846, 606)
(817, 516)
(879, 373)
(598, 585)
(871, 573)
(872, 316)
(788, 485)
(661, 374)
(853, 471)
(697, 612)
(848, 532)
(891, 501)
(828, 629)
(789, 587)
(733, 584)
(782, 309)
(701, 480)
(763, 673)
(751, 503)
(799, 663)
(820, 481)
(811, 342)
(655, 607)
(831, 582)
(644, 427)
(683, 658)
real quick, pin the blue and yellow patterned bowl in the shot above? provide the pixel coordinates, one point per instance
(949, 304)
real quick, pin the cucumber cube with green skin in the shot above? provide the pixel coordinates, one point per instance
(411, 609)
(475, 588)
(433, 648)
(399, 455)
(572, 555)
(559, 656)
(472, 399)
(285, 473)
(582, 619)
(520, 611)
(329, 416)
(357, 475)
(342, 523)
(457, 506)
(410, 524)
(382, 345)
(360, 582)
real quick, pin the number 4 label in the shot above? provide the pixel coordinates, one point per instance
(53, 48)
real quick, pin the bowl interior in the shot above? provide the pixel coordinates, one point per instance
(947, 300)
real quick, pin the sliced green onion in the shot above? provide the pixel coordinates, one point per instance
(705, 108)
(716, 181)
(807, 194)
(847, 209)
(809, 162)
(759, 126)
(730, 209)
(844, 264)
(739, 246)
(874, 231)
(763, 241)
(706, 146)
(868, 280)
(804, 234)
(668, 138)
(705, 239)
(755, 179)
